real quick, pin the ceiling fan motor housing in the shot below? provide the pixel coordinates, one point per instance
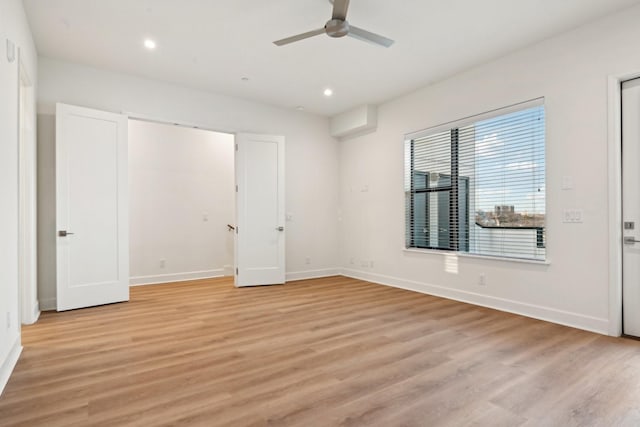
(337, 28)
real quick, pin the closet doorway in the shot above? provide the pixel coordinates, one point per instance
(181, 203)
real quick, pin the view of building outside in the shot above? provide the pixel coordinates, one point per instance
(510, 170)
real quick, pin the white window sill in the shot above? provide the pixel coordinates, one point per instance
(474, 256)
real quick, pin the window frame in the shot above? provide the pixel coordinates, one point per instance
(454, 214)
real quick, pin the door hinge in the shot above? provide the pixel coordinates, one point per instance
(236, 271)
(236, 188)
(236, 229)
(236, 147)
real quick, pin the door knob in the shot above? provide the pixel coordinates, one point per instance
(630, 240)
(64, 233)
(281, 228)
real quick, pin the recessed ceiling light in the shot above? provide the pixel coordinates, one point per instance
(328, 92)
(300, 108)
(150, 44)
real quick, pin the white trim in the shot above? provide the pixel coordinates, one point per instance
(175, 277)
(27, 197)
(164, 121)
(614, 153)
(228, 269)
(574, 320)
(312, 274)
(9, 364)
(475, 256)
(35, 312)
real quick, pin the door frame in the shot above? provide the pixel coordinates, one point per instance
(614, 151)
(164, 121)
(228, 269)
(27, 200)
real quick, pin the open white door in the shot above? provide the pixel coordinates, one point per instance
(260, 235)
(91, 207)
(631, 207)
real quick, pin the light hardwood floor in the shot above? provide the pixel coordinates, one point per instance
(323, 352)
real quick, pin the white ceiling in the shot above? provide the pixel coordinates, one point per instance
(212, 44)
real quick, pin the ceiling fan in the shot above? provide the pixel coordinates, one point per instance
(338, 26)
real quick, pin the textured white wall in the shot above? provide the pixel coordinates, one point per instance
(181, 187)
(570, 71)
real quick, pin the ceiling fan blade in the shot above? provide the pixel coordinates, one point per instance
(299, 37)
(366, 36)
(340, 8)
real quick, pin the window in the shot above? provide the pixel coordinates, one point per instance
(478, 185)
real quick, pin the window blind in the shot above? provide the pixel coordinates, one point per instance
(478, 185)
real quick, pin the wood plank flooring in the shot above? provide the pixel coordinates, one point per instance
(324, 352)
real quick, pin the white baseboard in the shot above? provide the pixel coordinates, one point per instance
(48, 304)
(312, 274)
(36, 311)
(175, 277)
(34, 315)
(574, 320)
(228, 270)
(9, 364)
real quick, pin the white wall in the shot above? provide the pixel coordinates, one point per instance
(181, 187)
(13, 26)
(311, 154)
(571, 72)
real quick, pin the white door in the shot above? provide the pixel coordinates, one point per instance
(631, 207)
(260, 234)
(91, 207)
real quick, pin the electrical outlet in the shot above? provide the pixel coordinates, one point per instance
(163, 263)
(482, 280)
(364, 263)
(352, 261)
(307, 260)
